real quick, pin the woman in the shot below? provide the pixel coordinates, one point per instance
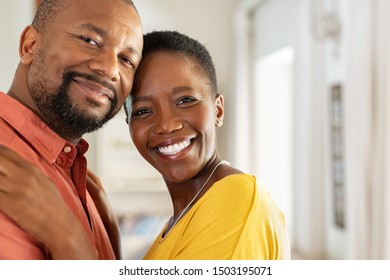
(173, 112)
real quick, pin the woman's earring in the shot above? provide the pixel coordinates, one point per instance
(219, 123)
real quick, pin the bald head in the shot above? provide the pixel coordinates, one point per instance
(49, 9)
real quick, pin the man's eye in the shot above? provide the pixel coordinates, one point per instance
(128, 61)
(90, 41)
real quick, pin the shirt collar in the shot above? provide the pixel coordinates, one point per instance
(44, 140)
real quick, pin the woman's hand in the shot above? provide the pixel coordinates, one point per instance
(33, 201)
(98, 194)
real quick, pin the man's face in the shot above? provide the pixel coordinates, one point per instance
(84, 65)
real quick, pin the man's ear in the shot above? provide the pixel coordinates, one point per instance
(28, 44)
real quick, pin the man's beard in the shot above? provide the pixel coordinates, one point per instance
(63, 117)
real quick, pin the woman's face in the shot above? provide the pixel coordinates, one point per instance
(173, 115)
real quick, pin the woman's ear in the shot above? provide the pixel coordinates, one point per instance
(28, 44)
(219, 110)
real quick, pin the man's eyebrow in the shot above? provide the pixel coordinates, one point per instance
(94, 28)
(102, 33)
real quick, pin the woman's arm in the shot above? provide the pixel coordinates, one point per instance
(96, 190)
(32, 201)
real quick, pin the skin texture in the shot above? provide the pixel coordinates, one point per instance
(79, 71)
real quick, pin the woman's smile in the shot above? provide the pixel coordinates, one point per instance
(173, 149)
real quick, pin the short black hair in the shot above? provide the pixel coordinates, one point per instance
(49, 9)
(173, 41)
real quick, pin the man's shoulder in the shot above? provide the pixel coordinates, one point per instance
(8, 132)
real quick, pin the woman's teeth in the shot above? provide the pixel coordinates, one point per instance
(174, 149)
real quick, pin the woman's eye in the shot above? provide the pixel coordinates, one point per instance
(90, 41)
(139, 113)
(186, 100)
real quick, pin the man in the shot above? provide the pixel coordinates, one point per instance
(77, 64)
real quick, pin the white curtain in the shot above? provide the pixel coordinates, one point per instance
(380, 172)
(369, 130)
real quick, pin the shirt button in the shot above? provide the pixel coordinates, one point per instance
(67, 149)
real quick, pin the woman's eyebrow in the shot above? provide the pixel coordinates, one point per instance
(181, 88)
(149, 98)
(140, 99)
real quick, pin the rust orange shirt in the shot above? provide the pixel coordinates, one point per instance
(64, 163)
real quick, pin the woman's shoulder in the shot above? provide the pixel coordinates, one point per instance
(235, 178)
(243, 185)
(240, 186)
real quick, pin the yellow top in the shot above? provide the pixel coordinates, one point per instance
(235, 219)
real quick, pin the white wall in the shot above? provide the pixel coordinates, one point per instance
(14, 16)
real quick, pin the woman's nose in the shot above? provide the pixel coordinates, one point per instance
(167, 123)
